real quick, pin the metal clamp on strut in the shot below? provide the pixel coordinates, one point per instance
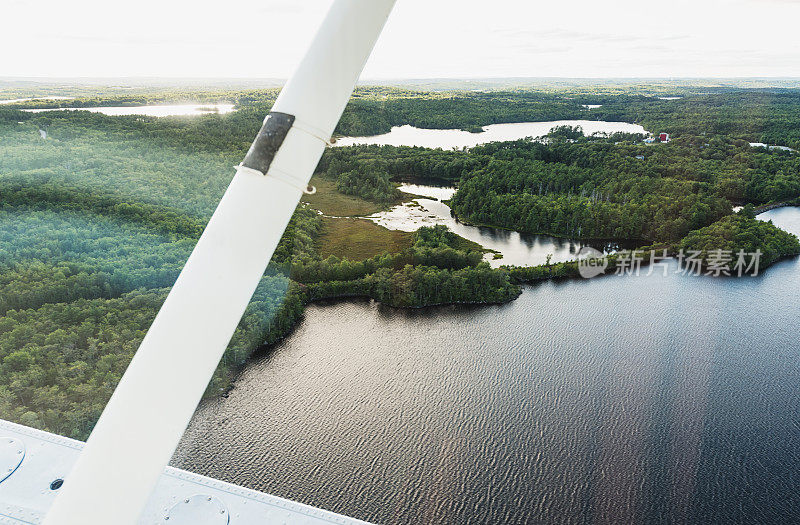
(267, 143)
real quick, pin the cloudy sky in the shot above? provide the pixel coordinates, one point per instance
(423, 39)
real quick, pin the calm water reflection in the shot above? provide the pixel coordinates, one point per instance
(519, 249)
(620, 399)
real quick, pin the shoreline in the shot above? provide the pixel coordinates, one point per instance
(768, 207)
(519, 276)
(555, 235)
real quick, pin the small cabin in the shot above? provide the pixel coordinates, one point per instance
(664, 137)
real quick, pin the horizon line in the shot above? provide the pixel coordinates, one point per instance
(368, 79)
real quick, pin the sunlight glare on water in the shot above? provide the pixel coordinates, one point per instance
(455, 138)
(612, 400)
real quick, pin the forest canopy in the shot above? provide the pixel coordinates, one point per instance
(737, 233)
(97, 219)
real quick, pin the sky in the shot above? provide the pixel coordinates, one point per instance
(423, 38)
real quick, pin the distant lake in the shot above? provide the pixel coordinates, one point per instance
(770, 146)
(455, 138)
(156, 110)
(18, 100)
(519, 249)
(650, 399)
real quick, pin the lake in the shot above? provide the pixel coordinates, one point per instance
(18, 100)
(770, 147)
(156, 110)
(618, 399)
(519, 249)
(455, 138)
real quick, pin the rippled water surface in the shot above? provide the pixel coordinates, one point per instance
(455, 138)
(619, 399)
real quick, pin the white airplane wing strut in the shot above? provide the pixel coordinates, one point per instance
(143, 422)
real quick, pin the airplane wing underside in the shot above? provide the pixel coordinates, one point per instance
(33, 466)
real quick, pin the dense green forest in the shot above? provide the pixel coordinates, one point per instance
(435, 270)
(97, 219)
(598, 189)
(374, 110)
(768, 115)
(589, 187)
(736, 233)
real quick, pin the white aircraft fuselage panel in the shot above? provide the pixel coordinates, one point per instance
(40, 463)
